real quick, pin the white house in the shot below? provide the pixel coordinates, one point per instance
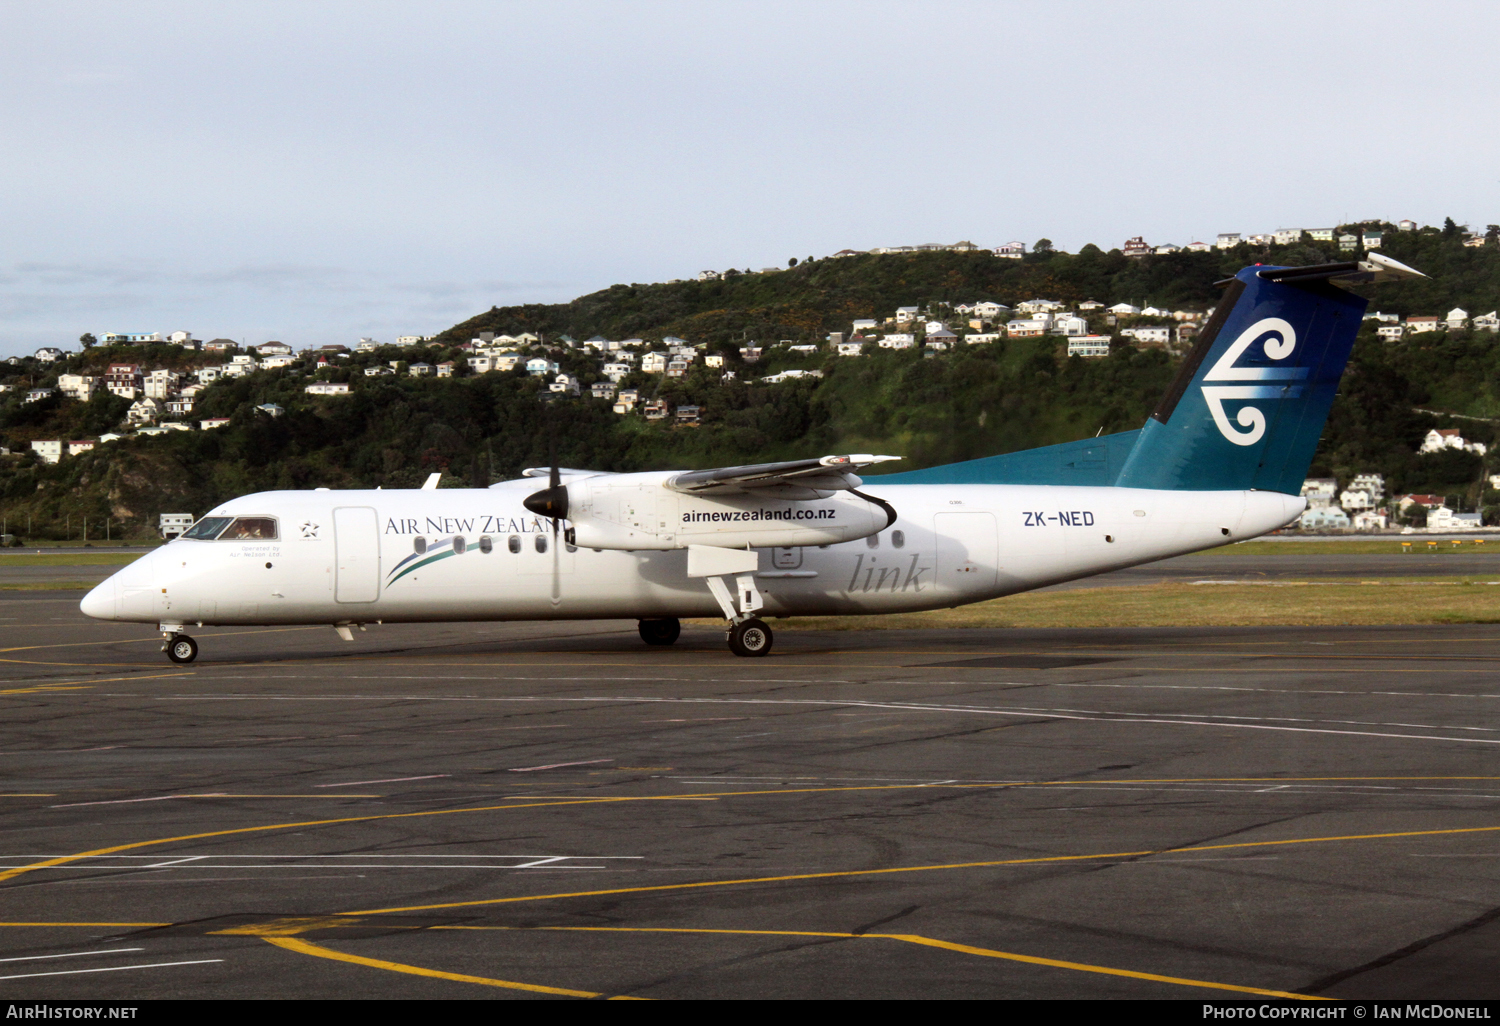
(1090, 304)
(1319, 491)
(36, 395)
(849, 348)
(540, 366)
(1069, 326)
(81, 445)
(1123, 310)
(1372, 240)
(1036, 306)
(1228, 240)
(1324, 518)
(1011, 250)
(932, 326)
(1088, 345)
(337, 387)
(1418, 325)
(159, 384)
(602, 390)
(419, 370)
(1407, 225)
(864, 324)
(378, 372)
(565, 384)
(1027, 328)
(1287, 236)
(143, 411)
(50, 450)
(1149, 334)
(274, 349)
(1391, 332)
(714, 360)
(654, 363)
(1457, 318)
(897, 341)
(78, 386)
(1439, 439)
(989, 310)
(1321, 234)
(975, 338)
(1372, 520)
(906, 314)
(213, 422)
(1487, 322)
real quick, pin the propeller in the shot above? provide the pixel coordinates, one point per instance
(552, 502)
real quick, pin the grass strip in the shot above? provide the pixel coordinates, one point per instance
(1390, 601)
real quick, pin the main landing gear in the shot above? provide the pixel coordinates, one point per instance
(660, 632)
(750, 638)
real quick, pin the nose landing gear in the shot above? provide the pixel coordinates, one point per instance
(180, 648)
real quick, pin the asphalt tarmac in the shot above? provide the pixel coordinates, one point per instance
(557, 810)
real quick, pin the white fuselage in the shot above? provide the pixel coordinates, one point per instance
(344, 557)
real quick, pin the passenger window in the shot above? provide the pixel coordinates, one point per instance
(898, 539)
(460, 545)
(207, 528)
(873, 541)
(541, 543)
(515, 543)
(251, 529)
(485, 544)
(419, 545)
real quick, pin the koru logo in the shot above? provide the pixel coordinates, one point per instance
(309, 530)
(1280, 341)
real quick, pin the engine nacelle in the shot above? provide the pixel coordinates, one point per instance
(638, 511)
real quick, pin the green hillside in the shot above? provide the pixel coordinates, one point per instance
(976, 400)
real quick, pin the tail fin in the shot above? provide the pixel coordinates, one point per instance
(1249, 404)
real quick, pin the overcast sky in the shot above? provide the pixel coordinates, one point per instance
(319, 171)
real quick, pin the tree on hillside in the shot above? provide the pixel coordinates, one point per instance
(1042, 246)
(88, 339)
(1450, 230)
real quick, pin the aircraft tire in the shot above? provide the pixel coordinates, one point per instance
(750, 638)
(664, 631)
(182, 649)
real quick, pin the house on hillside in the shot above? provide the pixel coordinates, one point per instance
(50, 450)
(1418, 325)
(1011, 250)
(1324, 518)
(1088, 346)
(1319, 491)
(1439, 439)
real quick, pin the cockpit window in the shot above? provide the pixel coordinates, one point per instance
(251, 529)
(207, 528)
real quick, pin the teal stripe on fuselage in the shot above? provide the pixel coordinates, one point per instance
(1092, 461)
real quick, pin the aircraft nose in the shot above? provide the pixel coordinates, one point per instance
(103, 602)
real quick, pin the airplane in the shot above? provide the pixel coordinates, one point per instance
(1221, 459)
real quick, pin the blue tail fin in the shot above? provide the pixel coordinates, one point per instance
(1249, 404)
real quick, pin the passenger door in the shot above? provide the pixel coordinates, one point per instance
(356, 542)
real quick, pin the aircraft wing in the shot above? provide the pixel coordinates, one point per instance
(798, 479)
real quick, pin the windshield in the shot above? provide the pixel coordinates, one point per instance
(207, 528)
(251, 529)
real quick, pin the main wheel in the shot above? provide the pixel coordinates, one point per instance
(182, 649)
(660, 632)
(750, 638)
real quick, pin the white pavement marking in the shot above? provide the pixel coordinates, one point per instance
(1097, 716)
(558, 765)
(72, 954)
(111, 969)
(387, 780)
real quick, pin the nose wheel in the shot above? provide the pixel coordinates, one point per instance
(750, 638)
(181, 649)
